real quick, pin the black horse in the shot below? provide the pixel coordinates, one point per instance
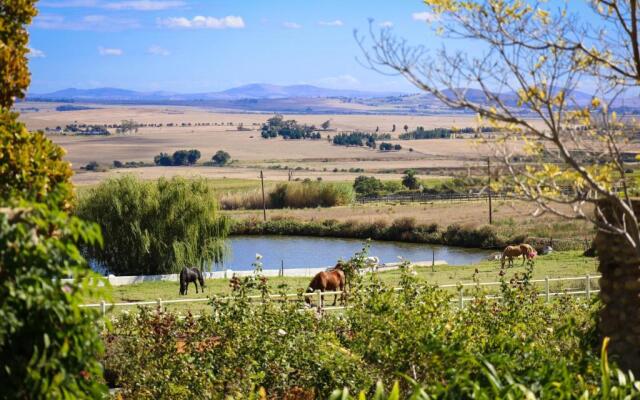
(188, 275)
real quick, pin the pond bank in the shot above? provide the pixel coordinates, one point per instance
(400, 230)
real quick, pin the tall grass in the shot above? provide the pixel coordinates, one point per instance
(292, 195)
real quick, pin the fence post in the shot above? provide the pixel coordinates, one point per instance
(546, 288)
(159, 304)
(319, 300)
(461, 295)
(103, 308)
(588, 290)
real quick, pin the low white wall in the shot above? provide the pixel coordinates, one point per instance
(130, 280)
(291, 272)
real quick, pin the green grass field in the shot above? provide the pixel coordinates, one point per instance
(560, 264)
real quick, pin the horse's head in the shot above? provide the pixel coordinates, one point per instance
(200, 278)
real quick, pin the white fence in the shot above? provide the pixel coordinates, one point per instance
(227, 273)
(318, 296)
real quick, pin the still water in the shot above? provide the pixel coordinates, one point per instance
(300, 252)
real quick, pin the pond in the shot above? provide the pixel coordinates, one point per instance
(301, 252)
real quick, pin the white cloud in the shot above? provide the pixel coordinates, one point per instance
(86, 23)
(386, 24)
(35, 53)
(230, 21)
(105, 51)
(139, 5)
(158, 51)
(69, 3)
(143, 5)
(337, 22)
(424, 16)
(291, 25)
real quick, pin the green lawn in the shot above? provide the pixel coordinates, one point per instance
(560, 264)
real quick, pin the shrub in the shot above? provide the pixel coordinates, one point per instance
(493, 348)
(230, 353)
(48, 344)
(368, 185)
(155, 227)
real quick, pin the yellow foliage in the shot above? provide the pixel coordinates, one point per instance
(31, 166)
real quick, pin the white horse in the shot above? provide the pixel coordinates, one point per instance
(372, 263)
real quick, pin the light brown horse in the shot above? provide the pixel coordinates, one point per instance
(332, 280)
(511, 252)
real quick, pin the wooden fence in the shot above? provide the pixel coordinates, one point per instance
(431, 197)
(547, 292)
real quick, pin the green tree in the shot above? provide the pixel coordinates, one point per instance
(367, 185)
(543, 53)
(155, 227)
(221, 158)
(15, 15)
(409, 180)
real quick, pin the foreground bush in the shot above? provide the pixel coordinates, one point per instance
(155, 227)
(515, 347)
(49, 345)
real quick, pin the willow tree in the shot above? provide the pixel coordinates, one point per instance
(535, 60)
(155, 227)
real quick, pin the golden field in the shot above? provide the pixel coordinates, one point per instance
(249, 151)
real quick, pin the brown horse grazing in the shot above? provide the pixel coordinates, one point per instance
(511, 252)
(332, 280)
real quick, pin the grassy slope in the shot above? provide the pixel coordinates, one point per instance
(553, 265)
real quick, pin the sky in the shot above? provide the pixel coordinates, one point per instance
(193, 46)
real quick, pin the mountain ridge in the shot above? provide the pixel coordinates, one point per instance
(250, 91)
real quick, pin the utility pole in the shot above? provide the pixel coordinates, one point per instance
(264, 203)
(489, 189)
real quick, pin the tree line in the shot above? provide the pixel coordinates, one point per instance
(442, 133)
(359, 139)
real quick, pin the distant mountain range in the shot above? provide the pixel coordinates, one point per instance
(261, 97)
(252, 91)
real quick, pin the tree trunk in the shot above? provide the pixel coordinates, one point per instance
(619, 292)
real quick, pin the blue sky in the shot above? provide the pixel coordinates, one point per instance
(209, 45)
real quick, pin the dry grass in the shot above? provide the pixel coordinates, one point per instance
(510, 217)
(249, 151)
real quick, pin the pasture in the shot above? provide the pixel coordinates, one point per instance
(556, 265)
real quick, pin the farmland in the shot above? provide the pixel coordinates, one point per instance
(309, 159)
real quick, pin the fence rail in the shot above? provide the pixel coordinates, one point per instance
(319, 296)
(429, 197)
